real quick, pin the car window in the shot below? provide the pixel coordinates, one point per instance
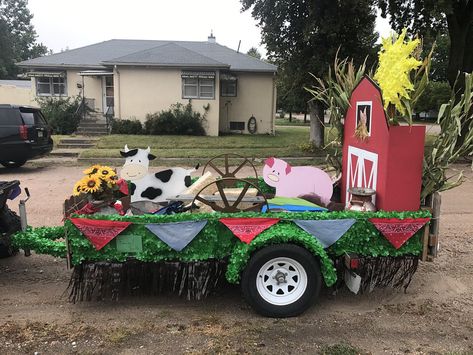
(32, 117)
(9, 117)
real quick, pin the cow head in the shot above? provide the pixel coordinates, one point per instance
(275, 170)
(136, 163)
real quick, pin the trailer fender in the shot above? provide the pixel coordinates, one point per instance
(280, 233)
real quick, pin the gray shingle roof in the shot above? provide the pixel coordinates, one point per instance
(148, 52)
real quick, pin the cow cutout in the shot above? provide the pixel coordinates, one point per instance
(155, 187)
(295, 181)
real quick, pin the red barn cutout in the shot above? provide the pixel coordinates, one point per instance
(389, 160)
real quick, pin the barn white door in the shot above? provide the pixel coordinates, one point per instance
(362, 170)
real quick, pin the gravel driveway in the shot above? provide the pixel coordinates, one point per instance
(434, 316)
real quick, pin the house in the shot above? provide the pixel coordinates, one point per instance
(16, 92)
(131, 78)
(389, 160)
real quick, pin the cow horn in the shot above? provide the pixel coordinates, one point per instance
(148, 149)
(126, 148)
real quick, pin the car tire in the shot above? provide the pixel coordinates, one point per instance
(281, 280)
(13, 164)
(10, 223)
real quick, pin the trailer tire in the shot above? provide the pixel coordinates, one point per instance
(281, 280)
(10, 223)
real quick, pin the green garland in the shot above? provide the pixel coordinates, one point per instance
(216, 241)
(283, 232)
(43, 240)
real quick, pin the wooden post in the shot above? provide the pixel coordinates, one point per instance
(435, 224)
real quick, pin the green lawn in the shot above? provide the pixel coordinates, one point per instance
(191, 149)
(286, 143)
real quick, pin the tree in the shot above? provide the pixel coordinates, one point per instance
(254, 52)
(431, 17)
(303, 36)
(435, 94)
(15, 18)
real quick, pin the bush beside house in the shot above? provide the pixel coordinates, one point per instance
(179, 119)
(63, 114)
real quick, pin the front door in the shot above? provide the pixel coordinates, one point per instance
(362, 170)
(107, 94)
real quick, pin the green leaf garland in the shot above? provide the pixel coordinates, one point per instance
(216, 241)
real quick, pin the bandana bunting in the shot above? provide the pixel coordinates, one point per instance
(327, 231)
(398, 231)
(246, 229)
(99, 232)
(177, 235)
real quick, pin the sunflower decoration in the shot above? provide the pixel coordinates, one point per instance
(91, 184)
(396, 61)
(106, 173)
(77, 188)
(99, 183)
(92, 170)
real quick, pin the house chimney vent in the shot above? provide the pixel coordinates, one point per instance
(211, 38)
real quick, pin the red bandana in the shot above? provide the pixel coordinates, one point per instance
(99, 232)
(246, 229)
(398, 231)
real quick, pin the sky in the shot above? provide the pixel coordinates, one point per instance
(65, 24)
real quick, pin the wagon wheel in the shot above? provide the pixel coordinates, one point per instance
(230, 206)
(229, 172)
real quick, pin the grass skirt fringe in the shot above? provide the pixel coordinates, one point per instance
(107, 280)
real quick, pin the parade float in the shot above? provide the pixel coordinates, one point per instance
(282, 236)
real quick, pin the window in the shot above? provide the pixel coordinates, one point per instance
(228, 88)
(198, 85)
(50, 86)
(228, 85)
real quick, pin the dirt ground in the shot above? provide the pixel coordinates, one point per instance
(434, 316)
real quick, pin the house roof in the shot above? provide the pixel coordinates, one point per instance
(149, 52)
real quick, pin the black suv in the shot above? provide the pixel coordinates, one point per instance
(24, 135)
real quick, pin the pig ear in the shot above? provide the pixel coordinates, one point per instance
(269, 162)
(288, 168)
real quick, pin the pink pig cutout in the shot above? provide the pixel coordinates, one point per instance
(294, 181)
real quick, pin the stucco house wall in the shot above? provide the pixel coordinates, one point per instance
(148, 90)
(16, 95)
(256, 96)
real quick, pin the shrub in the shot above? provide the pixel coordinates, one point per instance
(127, 126)
(63, 114)
(179, 119)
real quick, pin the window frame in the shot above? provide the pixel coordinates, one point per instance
(199, 85)
(225, 82)
(52, 85)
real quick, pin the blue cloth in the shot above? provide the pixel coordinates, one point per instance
(177, 235)
(327, 231)
(293, 208)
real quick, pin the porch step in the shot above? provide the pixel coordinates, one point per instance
(75, 140)
(75, 145)
(95, 132)
(73, 153)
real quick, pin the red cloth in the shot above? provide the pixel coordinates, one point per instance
(246, 229)
(122, 186)
(99, 232)
(398, 231)
(88, 208)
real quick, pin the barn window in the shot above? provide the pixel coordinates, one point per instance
(198, 85)
(363, 114)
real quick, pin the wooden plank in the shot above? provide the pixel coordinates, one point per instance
(435, 223)
(425, 243)
(217, 198)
